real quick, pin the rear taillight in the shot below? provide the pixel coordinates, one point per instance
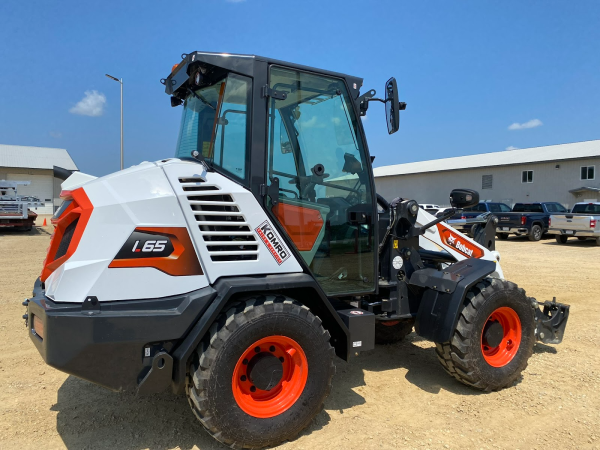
(38, 326)
(592, 223)
(69, 226)
(549, 222)
(523, 220)
(463, 217)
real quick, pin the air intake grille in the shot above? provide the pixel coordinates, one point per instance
(227, 235)
(66, 239)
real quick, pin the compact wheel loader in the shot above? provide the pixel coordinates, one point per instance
(238, 270)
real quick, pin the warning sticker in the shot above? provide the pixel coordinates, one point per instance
(273, 242)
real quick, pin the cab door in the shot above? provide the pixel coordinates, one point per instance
(318, 164)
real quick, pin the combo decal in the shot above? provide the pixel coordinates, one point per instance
(168, 249)
(454, 240)
(273, 242)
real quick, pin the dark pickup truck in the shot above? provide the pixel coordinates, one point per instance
(457, 220)
(527, 219)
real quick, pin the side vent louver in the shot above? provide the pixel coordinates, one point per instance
(223, 227)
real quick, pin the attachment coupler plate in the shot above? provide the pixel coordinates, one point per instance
(550, 321)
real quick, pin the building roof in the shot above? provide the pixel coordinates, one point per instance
(35, 157)
(522, 156)
(583, 189)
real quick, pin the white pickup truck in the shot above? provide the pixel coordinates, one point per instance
(583, 222)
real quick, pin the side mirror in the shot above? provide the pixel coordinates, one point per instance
(464, 198)
(392, 106)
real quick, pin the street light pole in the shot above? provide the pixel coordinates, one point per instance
(121, 83)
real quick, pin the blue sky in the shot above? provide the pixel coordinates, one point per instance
(468, 69)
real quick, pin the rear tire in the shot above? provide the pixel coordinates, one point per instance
(494, 309)
(561, 238)
(598, 241)
(389, 332)
(236, 383)
(535, 234)
(581, 238)
(502, 236)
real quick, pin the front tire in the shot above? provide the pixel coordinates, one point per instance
(536, 233)
(493, 339)
(262, 373)
(390, 332)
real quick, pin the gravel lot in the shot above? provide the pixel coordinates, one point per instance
(393, 397)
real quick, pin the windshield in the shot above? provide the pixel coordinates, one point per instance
(215, 123)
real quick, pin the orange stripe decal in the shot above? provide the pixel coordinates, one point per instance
(458, 243)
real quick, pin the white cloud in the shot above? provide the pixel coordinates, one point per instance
(522, 126)
(92, 104)
(512, 147)
(56, 134)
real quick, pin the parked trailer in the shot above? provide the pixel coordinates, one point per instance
(15, 209)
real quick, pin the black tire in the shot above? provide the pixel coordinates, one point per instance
(210, 386)
(535, 234)
(581, 238)
(463, 356)
(389, 334)
(502, 236)
(561, 238)
(598, 241)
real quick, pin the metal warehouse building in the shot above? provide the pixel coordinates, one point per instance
(564, 173)
(37, 165)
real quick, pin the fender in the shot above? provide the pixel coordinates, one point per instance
(444, 295)
(298, 286)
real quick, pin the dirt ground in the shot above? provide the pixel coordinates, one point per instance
(395, 396)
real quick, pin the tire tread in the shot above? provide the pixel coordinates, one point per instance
(454, 355)
(226, 323)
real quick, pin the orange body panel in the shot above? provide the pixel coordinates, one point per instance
(303, 225)
(80, 208)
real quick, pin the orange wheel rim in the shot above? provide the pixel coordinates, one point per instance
(273, 400)
(499, 354)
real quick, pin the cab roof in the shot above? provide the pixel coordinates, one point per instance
(245, 65)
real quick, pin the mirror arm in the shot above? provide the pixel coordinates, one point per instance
(421, 230)
(363, 101)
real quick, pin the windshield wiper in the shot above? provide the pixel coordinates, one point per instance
(202, 99)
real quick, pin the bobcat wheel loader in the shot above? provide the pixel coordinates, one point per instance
(236, 271)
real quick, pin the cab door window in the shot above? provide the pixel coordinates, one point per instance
(325, 201)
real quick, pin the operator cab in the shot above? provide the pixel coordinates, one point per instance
(293, 136)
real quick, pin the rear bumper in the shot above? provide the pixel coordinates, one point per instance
(115, 344)
(20, 222)
(511, 230)
(578, 233)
